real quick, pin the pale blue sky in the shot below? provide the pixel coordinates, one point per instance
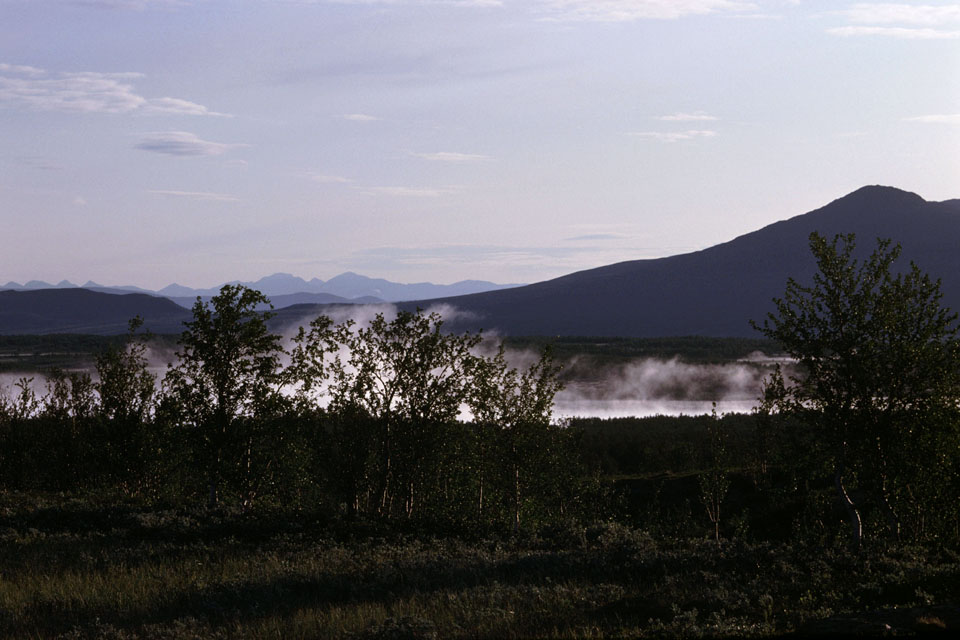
(199, 141)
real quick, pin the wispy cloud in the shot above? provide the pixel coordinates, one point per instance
(196, 195)
(900, 20)
(631, 10)
(181, 107)
(412, 192)
(696, 116)
(451, 157)
(902, 13)
(673, 136)
(359, 117)
(326, 179)
(902, 33)
(20, 69)
(40, 162)
(464, 254)
(942, 118)
(523, 262)
(450, 3)
(86, 92)
(593, 237)
(136, 5)
(183, 143)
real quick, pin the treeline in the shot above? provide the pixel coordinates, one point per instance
(399, 421)
(361, 421)
(612, 350)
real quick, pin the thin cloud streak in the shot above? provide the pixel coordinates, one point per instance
(901, 13)
(697, 116)
(673, 136)
(411, 192)
(902, 33)
(591, 237)
(21, 69)
(183, 143)
(944, 118)
(181, 107)
(482, 257)
(327, 179)
(448, 3)
(202, 196)
(632, 10)
(131, 5)
(86, 92)
(451, 157)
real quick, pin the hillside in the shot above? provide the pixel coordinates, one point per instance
(82, 311)
(715, 292)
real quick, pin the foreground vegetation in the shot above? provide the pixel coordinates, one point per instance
(333, 488)
(76, 569)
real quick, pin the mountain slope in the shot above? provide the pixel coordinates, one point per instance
(717, 291)
(714, 292)
(82, 311)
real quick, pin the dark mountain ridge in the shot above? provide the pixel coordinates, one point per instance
(76, 310)
(717, 291)
(714, 292)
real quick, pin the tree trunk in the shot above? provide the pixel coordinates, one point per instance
(212, 497)
(480, 471)
(385, 499)
(480, 499)
(516, 495)
(893, 521)
(853, 514)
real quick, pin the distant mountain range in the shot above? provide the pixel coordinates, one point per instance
(714, 292)
(285, 289)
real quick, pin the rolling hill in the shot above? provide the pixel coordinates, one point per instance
(46, 311)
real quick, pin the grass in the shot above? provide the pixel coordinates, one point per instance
(77, 570)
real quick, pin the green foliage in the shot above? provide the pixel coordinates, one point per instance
(881, 380)
(385, 399)
(227, 378)
(125, 385)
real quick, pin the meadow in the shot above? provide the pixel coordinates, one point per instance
(85, 568)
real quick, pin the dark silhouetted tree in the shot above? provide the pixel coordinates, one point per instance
(225, 383)
(881, 375)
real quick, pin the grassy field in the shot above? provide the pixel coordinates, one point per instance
(78, 569)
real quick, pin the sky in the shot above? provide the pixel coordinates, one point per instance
(144, 142)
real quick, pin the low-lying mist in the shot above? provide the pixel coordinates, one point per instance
(652, 386)
(593, 387)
